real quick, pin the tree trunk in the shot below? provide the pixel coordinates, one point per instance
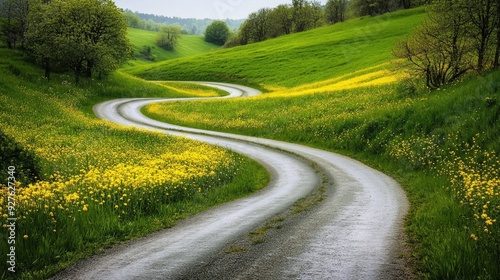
(88, 70)
(496, 63)
(78, 73)
(47, 71)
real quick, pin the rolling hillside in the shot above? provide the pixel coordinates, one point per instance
(335, 88)
(188, 45)
(296, 59)
(50, 139)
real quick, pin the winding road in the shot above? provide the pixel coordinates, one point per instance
(355, 232)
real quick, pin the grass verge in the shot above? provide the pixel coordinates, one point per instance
(442, 145)
(98, 184)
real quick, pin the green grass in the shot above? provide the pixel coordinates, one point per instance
(51, 125)
(295, 59)
(437, 144)
(188, 45)
(410, 138)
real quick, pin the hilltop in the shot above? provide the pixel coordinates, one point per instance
(299, 58)
(188, 45)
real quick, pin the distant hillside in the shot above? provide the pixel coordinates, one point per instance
(299, 58)
(188, 45)
(191, 25)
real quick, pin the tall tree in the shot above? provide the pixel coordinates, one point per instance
(84, 36)
(484, 18)
(441, 49)
(217, 32)
(281, 21)
(259, 24)
(335, 11)
(133, 20)
(306, 15)
(15, 14)
(168, 37)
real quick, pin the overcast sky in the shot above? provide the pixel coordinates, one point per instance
(214, 9)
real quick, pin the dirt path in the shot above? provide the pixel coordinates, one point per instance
(348, 226)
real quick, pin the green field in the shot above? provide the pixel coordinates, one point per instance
(188, 45)
(295, 59)
(88, 192)
(333, 88)
(442, 146)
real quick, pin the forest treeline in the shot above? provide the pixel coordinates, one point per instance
(187, 25)
(302, 15)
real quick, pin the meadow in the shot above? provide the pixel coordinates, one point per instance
(92, 184)
(297, 59)
(443, 146)
(188, 45)
(97, 183)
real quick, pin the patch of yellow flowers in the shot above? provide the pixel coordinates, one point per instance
(166, 178)
(474, 175)
(96, 171)
(477, 185)
(369, 77)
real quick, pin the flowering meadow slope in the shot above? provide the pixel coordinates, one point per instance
(97, 183)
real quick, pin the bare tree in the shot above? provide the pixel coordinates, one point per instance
(484, 19)
(441, 50)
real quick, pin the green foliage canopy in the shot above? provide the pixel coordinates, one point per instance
(217, 33)
(168, 37)
(84, 36)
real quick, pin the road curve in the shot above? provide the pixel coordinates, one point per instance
(353, 233)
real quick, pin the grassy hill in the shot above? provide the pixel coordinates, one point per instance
(188, 45)
(334, 88)
(296, 59)
(82, 182)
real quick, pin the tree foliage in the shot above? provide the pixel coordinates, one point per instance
(373, 7)
(306, 15)
(456, 38)
(14, 14)
(168, 37)
(217, 33)
(191, 25)
(84, 36)
(303, 15)
(335, 11)
(483, 16)
(281, 21)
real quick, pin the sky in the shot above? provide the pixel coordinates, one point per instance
(213, 9)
